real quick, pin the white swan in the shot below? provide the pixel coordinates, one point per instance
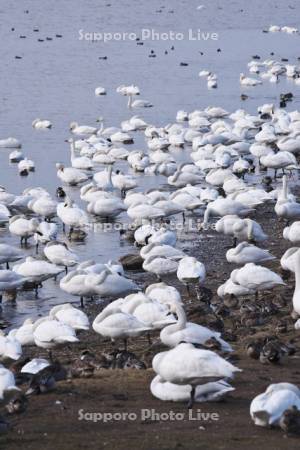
(186, 364)
(225, 206)
(85, 130)
(163, 293)
(25, 166)
(166, 251)
(138, 103)
(49, 333)
(44, 206)
(71, 316)
(70, 175)
(266, 409)
(22, 227)
(153, 314)
(58, 253)
(288, 260)
(292, 233)
(10, 348)
(10, 280)
(246, 81)
(71, 215)
(106, 207)
(245, 253)
(8, 254)
(37, 270)
(40, 124)
(248, 229)
(170, 392)
(115, 324)
(79, 162)
(7, 383)
(24, 334)
(10, 143)
(284, 207)
(256, 277)
(190, 332)
(160, 265)
(231, 288)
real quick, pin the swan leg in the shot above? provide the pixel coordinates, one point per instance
(0, 298)
(183, 217)
(81, 302)
(192, 398)
(275, 174)
(66, 269)
(50, 355)
(125, 344)
(36, 248)
(149, 339)
(7, 265)
(64, 227)
(188, 289)
(36, 289)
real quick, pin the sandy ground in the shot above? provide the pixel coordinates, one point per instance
(52, 419)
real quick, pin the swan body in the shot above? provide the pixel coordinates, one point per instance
(247, 253)
(24, 334)
(266, 409)
(49, 333)
(10, 348)
(70, 175)
(71, 316)
(7, 383)
(84, 130)
(163, 293)
(10, 280)
(36, 270)
(59, 254)
(288, 260)
(106, 207)
(40, 124)
(223, 207)
(256, 277)
(166, 251)
(292, 233)
(160, 265)
(190, 270)
(115, 324)
(193, 333)
(44, 206)
(9, 254)
(186, 364)
(170, 392)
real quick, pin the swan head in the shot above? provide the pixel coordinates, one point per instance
(73, 125)
(60, 166)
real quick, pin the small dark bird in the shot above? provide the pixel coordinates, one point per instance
(183, 64)
(219, 50)
(58, 35)
(290, 421)
(102, 57)
(60, 193)
(244, 97)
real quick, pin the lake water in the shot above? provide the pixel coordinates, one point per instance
(55, 79)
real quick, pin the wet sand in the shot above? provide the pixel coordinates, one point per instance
(51, 420)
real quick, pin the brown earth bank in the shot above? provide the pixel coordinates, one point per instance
(51, 420)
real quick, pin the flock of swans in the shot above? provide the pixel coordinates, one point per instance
(218, 183)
